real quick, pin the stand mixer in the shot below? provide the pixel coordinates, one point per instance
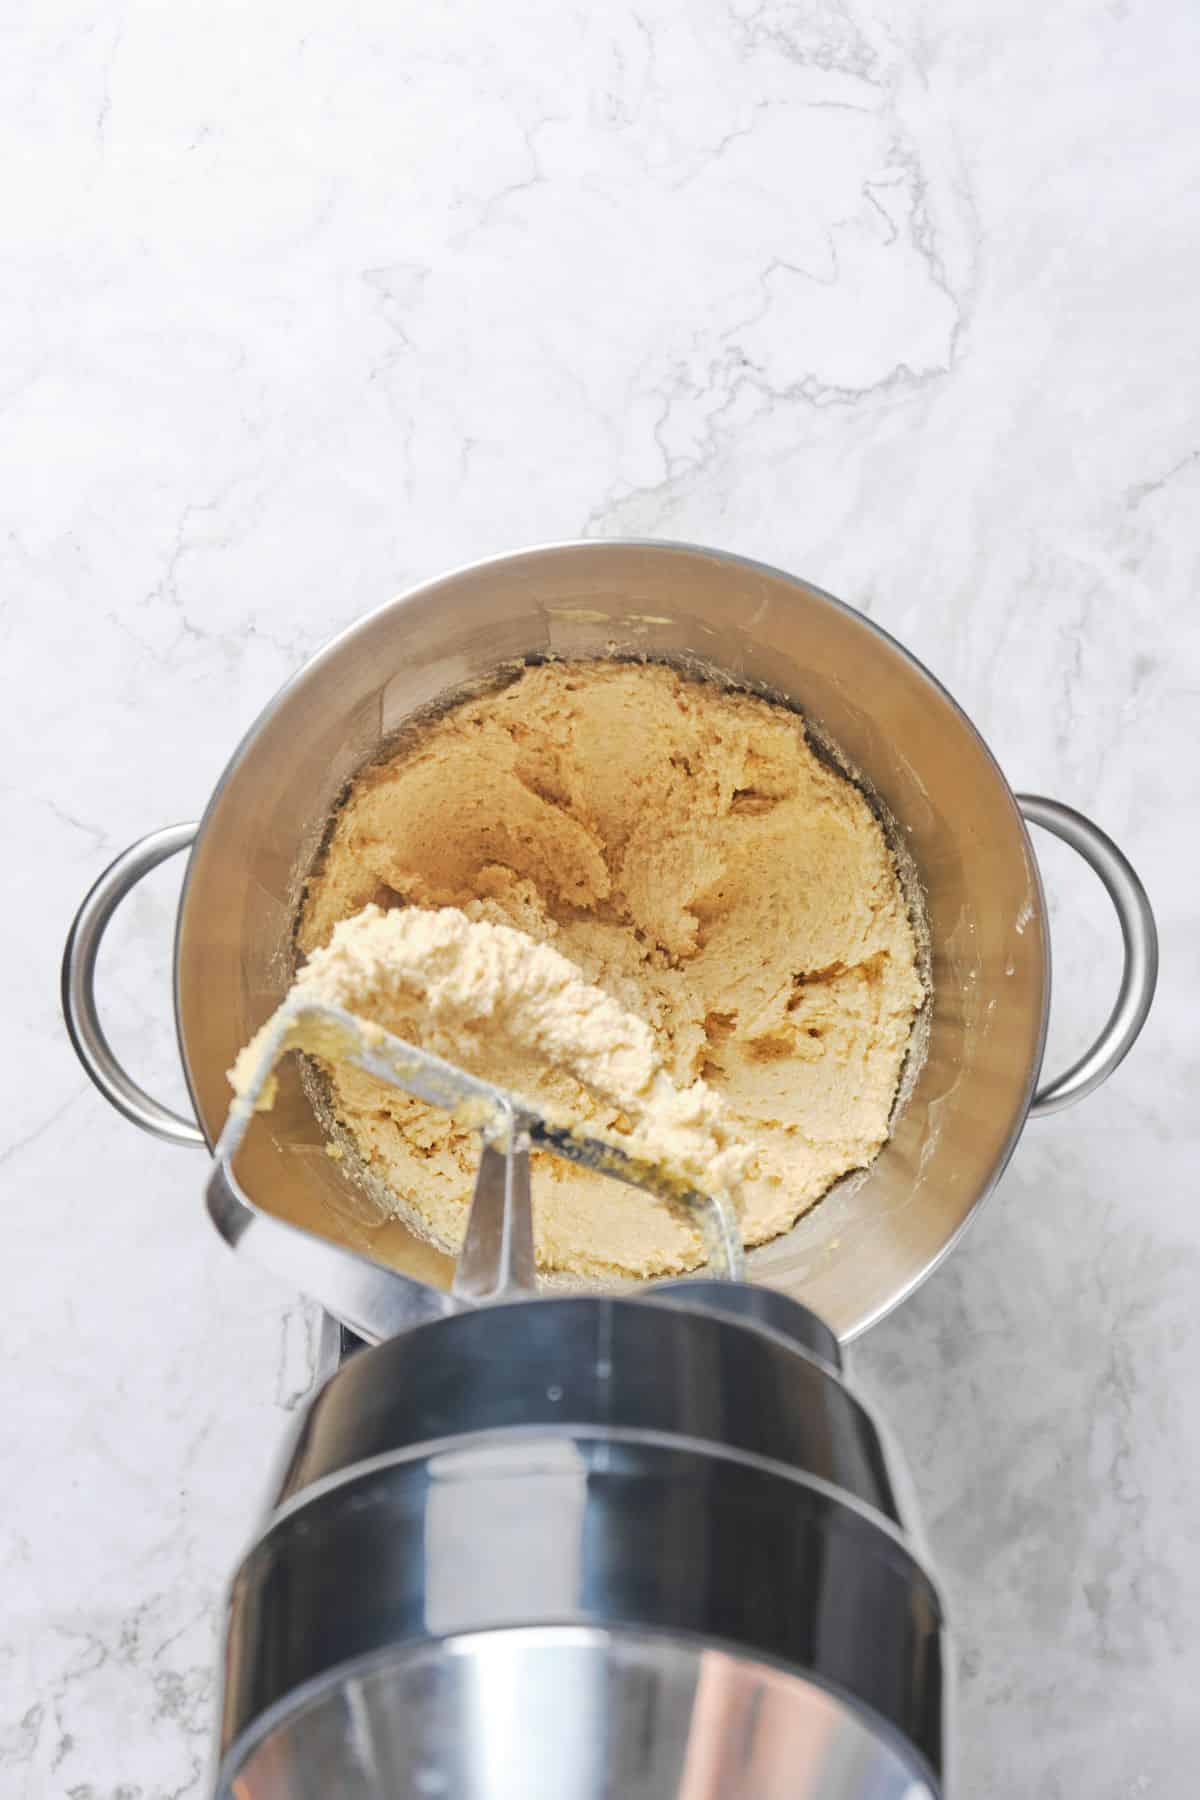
(565, 1545)
(637, 1544)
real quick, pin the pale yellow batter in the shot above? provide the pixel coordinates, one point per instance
(498, 1004)
(688, 852)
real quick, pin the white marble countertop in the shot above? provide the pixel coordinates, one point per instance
(302, 304)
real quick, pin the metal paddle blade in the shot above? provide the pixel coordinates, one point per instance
(496, 1261)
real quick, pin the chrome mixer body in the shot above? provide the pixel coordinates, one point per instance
(587, 1545)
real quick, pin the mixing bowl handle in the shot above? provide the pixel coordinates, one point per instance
(1140, 971)
(79, 985)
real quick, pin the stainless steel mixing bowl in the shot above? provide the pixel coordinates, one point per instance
(869, 1243)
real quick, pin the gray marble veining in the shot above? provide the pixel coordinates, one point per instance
(302, 304)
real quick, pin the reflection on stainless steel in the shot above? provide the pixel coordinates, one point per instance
(496, 1261)
(870, 1242)
(570, 1713)
(653, 1366)
(586, 1546)
(373, 1301)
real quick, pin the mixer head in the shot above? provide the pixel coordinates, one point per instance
(649, 1548)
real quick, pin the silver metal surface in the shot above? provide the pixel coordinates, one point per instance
(1139, 936)
(79, 985)
(375, 1302)
(698, 1541)
(496, 1261)
(647, 1482)
(573, 1713)
(872, 1240)
(661, 1363)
